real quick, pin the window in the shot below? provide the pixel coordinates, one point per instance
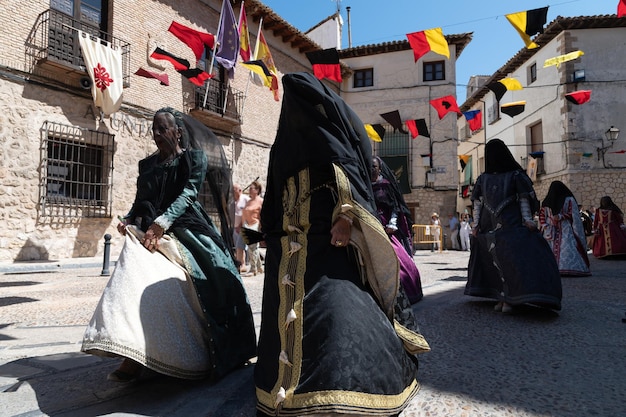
(77, 172)
(91, 12)
(536, 145)
(493, 113)
(434, 71)
(536, 137)
(395, 150)
(363, 78)
(216, 90)
(532, 73)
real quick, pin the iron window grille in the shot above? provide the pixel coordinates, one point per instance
(396, 150)
(54, 38)
(76, 173)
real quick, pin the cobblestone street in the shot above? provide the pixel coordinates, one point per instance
(482, 363)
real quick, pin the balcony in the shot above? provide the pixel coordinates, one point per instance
(53, 48)
(223, 108)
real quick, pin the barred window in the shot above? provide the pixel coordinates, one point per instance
(395, 150)
(77, 172)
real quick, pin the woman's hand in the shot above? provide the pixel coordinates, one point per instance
(340, 232)
(530, 225)
(121, 227)
(152, 236)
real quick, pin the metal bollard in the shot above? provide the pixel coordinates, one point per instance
(107, 252)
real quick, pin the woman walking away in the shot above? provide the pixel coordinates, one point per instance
(609, 230)
(562, 227)
(510, 261)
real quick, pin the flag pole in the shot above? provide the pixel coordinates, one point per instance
(256, 49)
(245, 94)
(219, 24)
(258, 37)
(228, 80)
(225, 96)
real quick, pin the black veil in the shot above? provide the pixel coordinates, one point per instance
(316, 127)
(557, 193)
(219, 176)
(398, 198)
(498, 158)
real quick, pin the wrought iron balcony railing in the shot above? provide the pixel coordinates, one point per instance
(54, 40)
(220, 99)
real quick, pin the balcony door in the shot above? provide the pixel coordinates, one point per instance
(68, 16)
(89, 12)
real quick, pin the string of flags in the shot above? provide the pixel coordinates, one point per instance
(445, 105)
(578, 97)
(233, 39)
(393, 118)
(428, 40)
(558, 60)
(529, 23)
(325, 64)
(263, 55)
(474, 119)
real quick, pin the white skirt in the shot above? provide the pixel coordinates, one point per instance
(150, 312)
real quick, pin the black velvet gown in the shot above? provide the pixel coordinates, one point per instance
(337, 333)
(509, 262)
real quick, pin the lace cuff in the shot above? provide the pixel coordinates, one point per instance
(524, 206)
(478, 205)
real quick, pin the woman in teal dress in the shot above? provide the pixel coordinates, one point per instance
(175, 302)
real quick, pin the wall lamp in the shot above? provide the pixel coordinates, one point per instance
(611, 135)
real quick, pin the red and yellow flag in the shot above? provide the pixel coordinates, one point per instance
(262, 53)
(428, 40)
(244, 35)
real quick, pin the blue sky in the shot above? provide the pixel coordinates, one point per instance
(494, 42)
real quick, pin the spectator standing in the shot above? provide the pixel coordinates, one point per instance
(251, 217)
(453, 225)
(240, 200)
(465, 229)
(435, 231)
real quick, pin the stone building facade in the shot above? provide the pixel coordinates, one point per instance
(400, 83)
(568, 141)
(43, 106)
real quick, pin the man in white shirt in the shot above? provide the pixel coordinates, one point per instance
(240, 247)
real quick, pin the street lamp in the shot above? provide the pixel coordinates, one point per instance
(611, 135)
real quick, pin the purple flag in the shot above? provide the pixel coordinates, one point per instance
(228, 39)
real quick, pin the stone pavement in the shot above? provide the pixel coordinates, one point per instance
(482, 363)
